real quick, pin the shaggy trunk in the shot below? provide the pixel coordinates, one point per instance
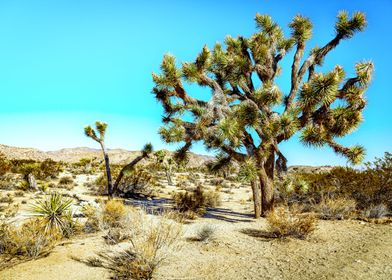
(266, 176)
(256, 198)
(108, 173)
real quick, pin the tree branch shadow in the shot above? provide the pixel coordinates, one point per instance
(227, 215)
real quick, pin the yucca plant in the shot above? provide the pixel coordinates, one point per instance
(54, 211)
(247, 117)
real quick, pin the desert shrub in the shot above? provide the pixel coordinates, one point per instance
(19, 193)
(115, 236)
(368, 187)
(114, 213)
(335, 208)
(196, 201)
(86, 166)
(48, 169)
(5, 165)
(284, 222)
(206, 233)
(94, 217)
(152, 242)
(55, 213)
(66, 180)
(193, 201)
(99, 185)
(29, 240)
(212, 198)
(376, 212)
(139, 181)
(8, 198)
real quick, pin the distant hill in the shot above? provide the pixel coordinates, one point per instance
(117, 156)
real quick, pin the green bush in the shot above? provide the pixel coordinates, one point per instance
(368, 187)
(196, 201)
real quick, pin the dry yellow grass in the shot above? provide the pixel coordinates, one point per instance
(283, 222)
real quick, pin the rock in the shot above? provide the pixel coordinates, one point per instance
(32, 182)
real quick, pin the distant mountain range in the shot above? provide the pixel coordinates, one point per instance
(117, 156)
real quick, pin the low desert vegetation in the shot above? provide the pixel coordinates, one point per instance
(30, 240)
(341, 192)
(54, 212)
(286, 222)
(196, 201)
(335, 209)
(152, 242)
(114, 213)
(206, 233)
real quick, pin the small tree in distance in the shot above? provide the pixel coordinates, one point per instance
(146, 151)
(166, 162)
(101, 130)
(247, 116)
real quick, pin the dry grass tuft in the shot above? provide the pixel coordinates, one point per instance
(196, 201)
(27, 241)
(376, 212)
(152, 242)
(115, 236)
(335, 209)
(114, 213)
(206, 233)
(283, 222)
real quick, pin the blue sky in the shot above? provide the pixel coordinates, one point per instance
(65, 64)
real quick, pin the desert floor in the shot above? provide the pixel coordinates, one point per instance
(241, 249)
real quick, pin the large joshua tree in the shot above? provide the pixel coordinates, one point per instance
(247, 116)
(93, 134)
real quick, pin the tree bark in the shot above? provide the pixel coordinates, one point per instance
(108, 172)
(256, 198)
(267, 193)
(266, 176)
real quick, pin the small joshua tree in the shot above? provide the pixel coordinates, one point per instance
(147, 150)
(101, 129)
(167, 163)
(247, 116)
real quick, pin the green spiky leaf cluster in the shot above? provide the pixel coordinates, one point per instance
(55, 211)
(244, 119)
(100, 129)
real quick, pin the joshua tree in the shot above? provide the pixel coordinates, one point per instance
(247, 116)
(101, 129)
(166, 163)
(147, 149)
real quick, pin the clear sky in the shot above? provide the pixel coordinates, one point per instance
(66, 63)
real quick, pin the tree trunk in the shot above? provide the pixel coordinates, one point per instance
(108, 173)
(266, 176)
(256, 198)
(267, 193)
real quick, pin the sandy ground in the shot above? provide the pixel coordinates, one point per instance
(241, 250)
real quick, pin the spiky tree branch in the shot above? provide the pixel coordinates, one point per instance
(240, 119)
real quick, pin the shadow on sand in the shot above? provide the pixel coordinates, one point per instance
(263, 235)
(227, 215)
(161, 205)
